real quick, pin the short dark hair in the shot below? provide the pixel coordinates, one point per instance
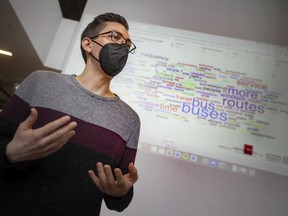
(94, 27)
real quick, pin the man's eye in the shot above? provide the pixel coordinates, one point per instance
(116, 36)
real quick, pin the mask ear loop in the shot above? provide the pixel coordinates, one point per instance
(94, 57)
(96, 42)
(91, 52)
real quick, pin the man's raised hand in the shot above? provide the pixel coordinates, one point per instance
(111, 186)
(30, 144)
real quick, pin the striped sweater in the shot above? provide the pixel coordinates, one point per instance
(59, 184)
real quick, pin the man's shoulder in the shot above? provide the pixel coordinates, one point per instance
(39, 81)
(45, 74)
(129, 111)
(45, 78)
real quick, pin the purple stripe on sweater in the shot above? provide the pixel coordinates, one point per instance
(88, 135)
(128, 156)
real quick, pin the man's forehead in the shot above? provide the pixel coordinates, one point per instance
(109, 26)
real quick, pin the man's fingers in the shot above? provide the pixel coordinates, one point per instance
(101, 180)
(109, 176)
(52, 126)
(119, 176)
(69, 135)
(108, 184)
(94, 178)
(101, 172)
(65, 132)
(132, 176)
(132, 168)
(59, 143)
(31, 119)
(133, 172)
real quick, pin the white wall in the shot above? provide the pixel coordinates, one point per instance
(61, 43)
(49, 33)
(40, 19)
(257, 20)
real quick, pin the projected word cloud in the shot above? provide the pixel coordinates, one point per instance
(214, 96)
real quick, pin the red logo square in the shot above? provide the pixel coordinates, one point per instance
(248, 149)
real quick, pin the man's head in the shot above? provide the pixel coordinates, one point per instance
(98, 24)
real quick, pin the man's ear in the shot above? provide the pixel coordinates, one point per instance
(86, 44)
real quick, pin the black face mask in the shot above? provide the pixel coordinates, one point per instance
(112, 58)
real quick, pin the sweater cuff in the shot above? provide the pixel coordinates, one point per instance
(119, 203)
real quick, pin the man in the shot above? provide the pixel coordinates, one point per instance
(56, 127)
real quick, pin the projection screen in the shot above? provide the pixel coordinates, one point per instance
(206, 100)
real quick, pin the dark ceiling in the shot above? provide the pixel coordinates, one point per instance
(72, 9)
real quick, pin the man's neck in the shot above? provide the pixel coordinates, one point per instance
(96, 82)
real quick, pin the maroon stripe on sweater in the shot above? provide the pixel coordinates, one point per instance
(88, 135)
(127, 157)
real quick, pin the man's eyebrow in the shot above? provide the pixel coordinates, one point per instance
(128, 39)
